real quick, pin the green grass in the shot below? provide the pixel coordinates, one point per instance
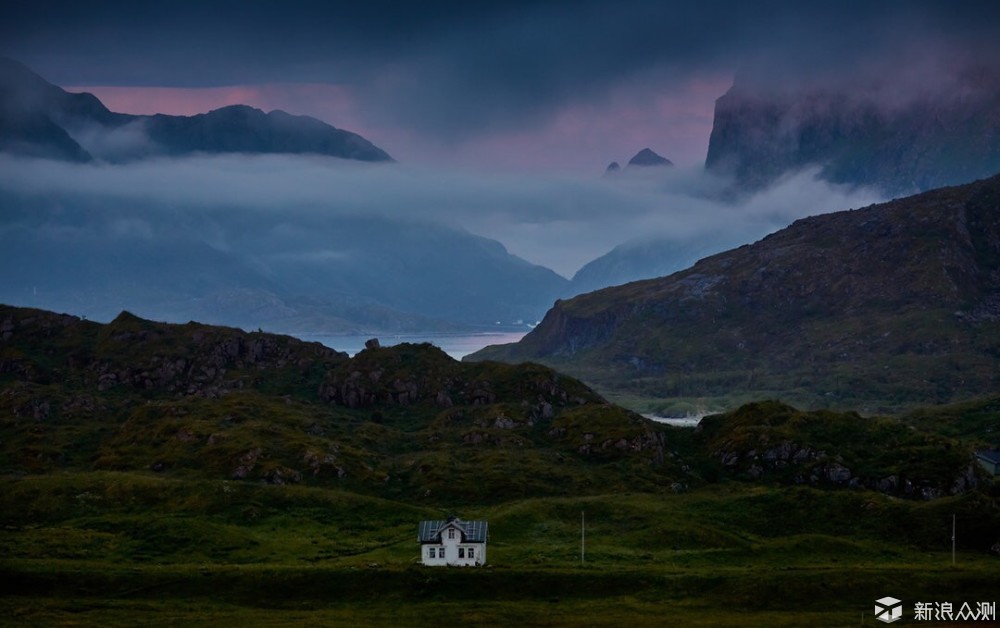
(974, 422)
(257, 497)
(117, 548)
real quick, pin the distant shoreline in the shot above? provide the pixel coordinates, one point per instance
(691, 420)
(456, 344)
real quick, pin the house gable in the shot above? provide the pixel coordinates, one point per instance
(990, 460)
(453, 542)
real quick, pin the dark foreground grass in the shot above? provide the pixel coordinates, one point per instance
(130, 549)
(602, 612)
(421, 596)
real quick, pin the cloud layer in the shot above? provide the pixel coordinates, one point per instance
(471, 79)
(561, 222)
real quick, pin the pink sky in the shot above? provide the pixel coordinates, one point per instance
(582, 137)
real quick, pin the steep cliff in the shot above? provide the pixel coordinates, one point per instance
(860, 134)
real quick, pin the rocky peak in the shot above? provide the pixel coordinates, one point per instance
(646, 157)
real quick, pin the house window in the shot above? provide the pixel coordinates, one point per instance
(432, 553)
(472, 553)
(461, 552)
(451, 534)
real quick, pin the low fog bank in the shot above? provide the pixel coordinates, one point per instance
(559, 222)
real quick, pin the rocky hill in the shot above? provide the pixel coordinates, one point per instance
(860, 133)
(890, 305)
(404, 422)
(218, 403)
(772, 442)
(39, 119)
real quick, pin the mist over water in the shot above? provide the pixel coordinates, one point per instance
(557, 221)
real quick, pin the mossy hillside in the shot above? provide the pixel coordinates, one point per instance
(408, 422)
(976, 422)
(400, 422)
(775, 442)
(130, 356)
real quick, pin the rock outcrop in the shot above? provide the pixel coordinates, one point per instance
(772, 442)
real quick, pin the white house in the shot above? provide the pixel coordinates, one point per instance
(990, 460)
(453, 542)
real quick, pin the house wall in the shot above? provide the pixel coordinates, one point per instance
(451, 547)
(425, 556)
(989, 465)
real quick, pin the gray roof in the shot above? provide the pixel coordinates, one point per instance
(993, 455)
(472, 531)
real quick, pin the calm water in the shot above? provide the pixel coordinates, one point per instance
(455, 345)
(677, 421)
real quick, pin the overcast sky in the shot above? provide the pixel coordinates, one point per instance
(565, 86)
(502, 116)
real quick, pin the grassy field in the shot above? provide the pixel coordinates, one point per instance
(186, 475)
(134, 549)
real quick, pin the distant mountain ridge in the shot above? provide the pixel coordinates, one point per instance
(346, 274)
(39, 119)
(639, 259)
(880, 307)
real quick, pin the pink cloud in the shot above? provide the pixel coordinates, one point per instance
(584, 138)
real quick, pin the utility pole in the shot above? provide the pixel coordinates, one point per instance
(952, 540)
(583, 537)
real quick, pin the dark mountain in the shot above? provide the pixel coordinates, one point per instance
(243, 129)
(640, 259)
(647, 158)
(859, 134)
(34, 115)
(891, 305)
(642, 160)
(41, 120)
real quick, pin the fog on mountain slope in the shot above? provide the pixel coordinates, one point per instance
(901, 132)
(38, 119)
(314, 244)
